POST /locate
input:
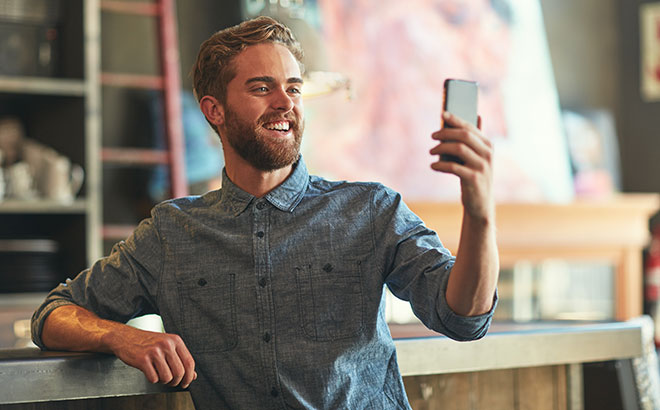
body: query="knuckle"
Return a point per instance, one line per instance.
(143, 362)
(166, 343)
(188, 362)
(461, 149)
(154, 352)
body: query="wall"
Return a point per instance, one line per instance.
(594, 46)
(583, 40)
(640, 126)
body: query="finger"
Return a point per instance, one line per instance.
(479, 122)
(188, 364)
(449, 134)
(451, 120)
(149, 372)
(164, 373)
(474, 138)
(176, 368)
(460, 150)
(451, 167)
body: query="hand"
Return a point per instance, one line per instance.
(162, 357)
(468, 143)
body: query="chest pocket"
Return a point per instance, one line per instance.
(208, 310)
(330, 299)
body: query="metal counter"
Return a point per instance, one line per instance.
(29, 375)
(507, 346)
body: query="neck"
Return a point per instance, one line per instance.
(252, 180)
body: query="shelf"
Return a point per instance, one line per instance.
(14, 206)
(22, 300)
(42, 85)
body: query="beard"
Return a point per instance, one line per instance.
(262, 152)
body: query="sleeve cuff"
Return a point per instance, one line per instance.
(464, 328)
(39, 318)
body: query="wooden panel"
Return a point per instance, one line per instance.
(495, 389)
(621, 220)
(440, 392)
(536, 388)
(629, 286)
(562, 387)
(164, 401)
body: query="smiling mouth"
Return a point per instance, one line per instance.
(281, 126)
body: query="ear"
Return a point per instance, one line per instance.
(213, 110)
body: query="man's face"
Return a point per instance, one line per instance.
(263, 119)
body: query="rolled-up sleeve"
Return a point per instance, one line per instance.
(416, 268)
(118, 287)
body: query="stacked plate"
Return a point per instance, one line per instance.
(28, 265)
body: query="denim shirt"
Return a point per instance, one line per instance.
(279, 299)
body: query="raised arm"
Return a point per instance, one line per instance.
(162, 357)
(473, 279)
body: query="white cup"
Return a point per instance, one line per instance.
(62, 179)
(2, 184)
(55, 177)
(2, 178)
(20, 184)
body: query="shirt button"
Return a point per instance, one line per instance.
(261, 205)
(266, 337)
(260, 234)
(263, 282)
(202, 282)
(274, 392)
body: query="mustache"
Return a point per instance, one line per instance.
(294, 121)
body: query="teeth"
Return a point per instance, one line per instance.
(279, 126)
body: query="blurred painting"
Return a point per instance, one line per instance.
(650, 51)
(396, 55)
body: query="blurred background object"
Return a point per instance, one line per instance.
(594, 152)
(29, 43)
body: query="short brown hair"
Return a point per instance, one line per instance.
(213, 69)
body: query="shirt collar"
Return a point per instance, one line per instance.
(285, 197)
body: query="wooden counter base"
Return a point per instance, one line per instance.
(538, 388)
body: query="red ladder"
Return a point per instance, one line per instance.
(170, 83)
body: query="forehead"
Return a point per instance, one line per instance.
(266, 59)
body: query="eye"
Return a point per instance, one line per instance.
(295, 90)
(262, 89)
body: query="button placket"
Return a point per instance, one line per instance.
(262, 272)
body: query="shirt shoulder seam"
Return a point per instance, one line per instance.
(162, 258)
(372, 222)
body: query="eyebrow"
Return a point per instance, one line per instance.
(270, 80)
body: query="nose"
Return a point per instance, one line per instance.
(282, 101)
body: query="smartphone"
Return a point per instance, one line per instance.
(460, 99)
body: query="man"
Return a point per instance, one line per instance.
(271, 288)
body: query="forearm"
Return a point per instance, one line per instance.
(161, 357)
(74, 328)
(473, 278)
